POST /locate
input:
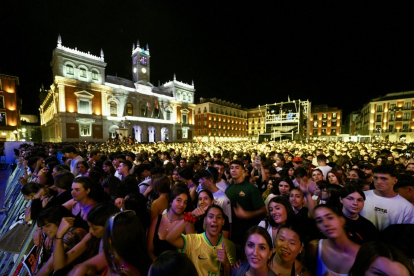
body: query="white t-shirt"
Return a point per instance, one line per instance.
(384, 211)
(118, 175)
(223, 201)
(325, 170)
(144, 184)
(74, 165)
(222, 185)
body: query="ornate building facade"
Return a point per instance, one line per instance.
(10, 106)
(84, 105)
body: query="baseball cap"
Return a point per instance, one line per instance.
(297, 159)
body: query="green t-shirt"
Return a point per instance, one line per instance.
(250, 199)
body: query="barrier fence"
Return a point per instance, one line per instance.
(14, 206)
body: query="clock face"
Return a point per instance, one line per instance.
(143, 60)
(143, 70)
(135, 60)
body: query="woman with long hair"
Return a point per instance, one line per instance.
(335, 254)
(280, 212)
(161, 185)
(334, 178)
(186, 176)
(257, 253)
(124, 246)
(177, 203)
(289, 244)
(378, 258)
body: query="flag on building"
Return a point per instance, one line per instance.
(162, 105)
(149, 105)
(156, 104)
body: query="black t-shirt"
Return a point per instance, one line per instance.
(361, 230)
(129, 185)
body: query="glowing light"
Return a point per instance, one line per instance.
(372, 111)
(3, 133)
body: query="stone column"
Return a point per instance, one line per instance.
(62, 101)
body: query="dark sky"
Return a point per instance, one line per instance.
(340, 54)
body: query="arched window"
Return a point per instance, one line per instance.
(95, 75)
(184, 119)
(129, 109)
(113, 108)
(143, 109)
(69, 69)
(82, 72)
(178, 95)
(184, 97)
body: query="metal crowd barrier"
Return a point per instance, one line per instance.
(14, 206)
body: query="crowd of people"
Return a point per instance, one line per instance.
(221, 208)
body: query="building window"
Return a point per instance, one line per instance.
(324, 131)
(199, 132)
(324, 116)
(315, 117)
(205, 116)
(379, 108)
(199, 124)
(113, 109)
(184, 119)
(405, 127)
(391, 128)
(407, 105)
(333, 123)
(334, 115)
(199, 110)
(392, 116)
(178, 95)
(83, 73)
(84, 107)
(205, 123)
(324, 123)
(143, 110)
(378, 128)
(205, 109)
(85, 129)
(378, 118)
(205, 132)
(406, 116)
(184, 97)
(392, 107)
(333, 131)
(185, 133)
(129, 109)
(315, 132)
(94, 76)
(69, 69)
(3, 119)
(1, 102)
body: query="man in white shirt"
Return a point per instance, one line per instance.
(222, 184)
(70, 153)
(145, 171)
(116, 163)
(322, 165)
(208, 182)
(383, 206)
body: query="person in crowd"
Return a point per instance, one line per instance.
(172, 263)
(377, 258)
(257, 255)
(248, 206)
(334, 178)
(335, 254)
(89, 246)
(82, 168)
(321, 159)
(317, 175)
(157, 243)
(186, 176)
(405, 187)
(205, 199)
(108, 168)
(161, 185)
(221, 183)
(85, 196)
(49, 221)
(73, 158)
(209, 251)
(289, 244)
(208, 178)
(280, 213)
(358, 228)
(270, 184)
(124, 246)
(383, 206)
(144, 170)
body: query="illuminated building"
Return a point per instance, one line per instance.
(219, 120)
(256, 123)
(84, 105)
(10, 106)
(389, 117)
(325, 123)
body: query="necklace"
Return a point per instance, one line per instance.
(172, 221)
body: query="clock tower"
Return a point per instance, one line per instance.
(140, 63)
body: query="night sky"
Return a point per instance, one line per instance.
(339, 54)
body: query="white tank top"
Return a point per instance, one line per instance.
(321, 268)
